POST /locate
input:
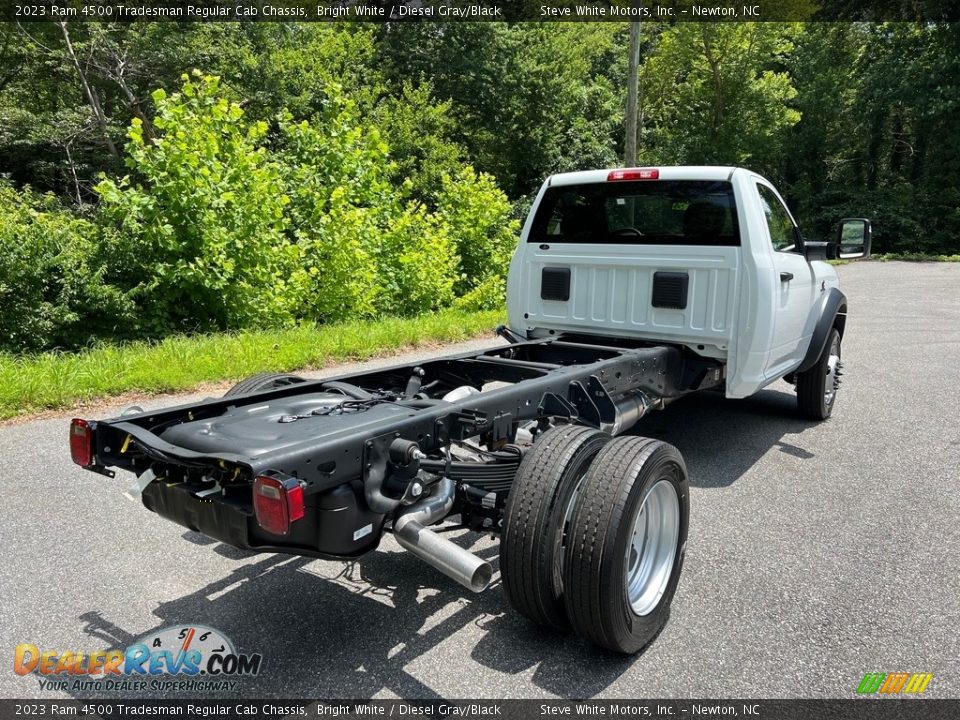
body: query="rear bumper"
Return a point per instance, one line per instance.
(335, 524)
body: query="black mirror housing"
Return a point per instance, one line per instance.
(817, 250)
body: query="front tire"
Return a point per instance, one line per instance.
(627, 540)
(817, 387)
(537, 513)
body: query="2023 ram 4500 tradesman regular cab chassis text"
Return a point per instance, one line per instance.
(629, 289)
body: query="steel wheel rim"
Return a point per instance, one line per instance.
(831, 382)
(572, 503)
(565, 529)
(653, 548)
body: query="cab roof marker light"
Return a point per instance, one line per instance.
(633, 174)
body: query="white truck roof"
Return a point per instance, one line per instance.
(668, 172)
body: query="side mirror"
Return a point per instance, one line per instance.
(816, 250)
(853, 238)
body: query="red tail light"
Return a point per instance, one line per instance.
(81, 442)
(633, 174)
(277, 502)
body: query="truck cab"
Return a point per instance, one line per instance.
(708, 258)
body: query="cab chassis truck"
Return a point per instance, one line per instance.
(630, 289)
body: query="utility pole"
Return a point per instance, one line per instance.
(630, 141)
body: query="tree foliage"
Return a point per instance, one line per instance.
(879, 136)
(718, 94)
(53, 289)
(530, 98)
(318, 171)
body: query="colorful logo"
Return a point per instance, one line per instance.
(180, 651)
(894, 683)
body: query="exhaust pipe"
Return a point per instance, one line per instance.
(410, 529)
(629, 409)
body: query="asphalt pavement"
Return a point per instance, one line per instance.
(817, 552)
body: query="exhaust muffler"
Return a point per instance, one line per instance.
(410, 529)
(628, 409)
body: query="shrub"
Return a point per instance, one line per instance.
(418, 263)
(52, 288)
(365, 248)
(478, 216)
(205, 217)
(229, 228)
(223, 224)
(340, 202)
(491, 294)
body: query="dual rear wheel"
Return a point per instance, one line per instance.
(594, 535)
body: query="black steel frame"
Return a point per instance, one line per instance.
(576, 378)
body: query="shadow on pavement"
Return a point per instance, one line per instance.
(722, 439)
(355, 633)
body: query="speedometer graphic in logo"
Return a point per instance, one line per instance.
(205, 639)
(189, 650)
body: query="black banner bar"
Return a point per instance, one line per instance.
(480, 10)
(855, 709)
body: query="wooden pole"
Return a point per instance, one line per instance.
(630, 141)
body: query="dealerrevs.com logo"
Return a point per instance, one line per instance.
(191, 658)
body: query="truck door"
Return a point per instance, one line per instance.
(793, 280)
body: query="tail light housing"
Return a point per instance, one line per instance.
(81, 442)
(277, 503)
(633, 174)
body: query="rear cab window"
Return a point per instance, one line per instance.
(648, 212)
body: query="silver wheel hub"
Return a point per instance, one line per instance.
(831, 383)
(653, 548)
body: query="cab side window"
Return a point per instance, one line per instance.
(782, 231)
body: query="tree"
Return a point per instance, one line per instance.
(879, 131)
(718, 94)
(531, 99)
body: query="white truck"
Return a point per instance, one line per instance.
(630, 289)
(709, 258)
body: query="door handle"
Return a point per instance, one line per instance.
(786, 276)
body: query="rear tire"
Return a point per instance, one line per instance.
(263, 381)
(626, 545)
(817, 387)
(537, 511)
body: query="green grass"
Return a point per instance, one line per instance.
(61, 380)
(916, 257)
